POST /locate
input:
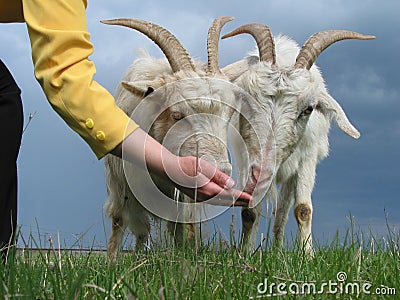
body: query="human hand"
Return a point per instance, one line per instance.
(207, 183)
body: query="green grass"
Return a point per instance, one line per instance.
(215, 271)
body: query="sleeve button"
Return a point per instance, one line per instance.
(100, 135)
(89, 123)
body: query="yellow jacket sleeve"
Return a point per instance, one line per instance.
(60, 50)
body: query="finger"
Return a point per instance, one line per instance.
(230, 202)
(235, 194)
(223, 202)
(216, 175)
(228, 196)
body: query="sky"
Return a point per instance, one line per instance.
(61, 183)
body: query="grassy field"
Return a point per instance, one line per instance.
(347, 269)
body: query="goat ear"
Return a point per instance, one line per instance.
(234, 70)
(329, 106)
(138, 88)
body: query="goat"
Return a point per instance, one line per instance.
(296, 112)
(179, 98)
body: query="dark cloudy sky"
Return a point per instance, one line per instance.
(62, 183)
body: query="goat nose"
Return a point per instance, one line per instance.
(260, 174)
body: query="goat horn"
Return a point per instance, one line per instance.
(262, 34)
(212, 44)
(176, 54)
(319, 41)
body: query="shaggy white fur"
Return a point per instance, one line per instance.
(295, 118)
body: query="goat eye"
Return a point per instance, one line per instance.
(177, 115)
(306, 112)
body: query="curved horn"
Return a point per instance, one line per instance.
(176, 54)
(262, 34)
(212, 44)
(319, 41)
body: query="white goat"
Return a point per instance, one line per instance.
(181, 99)
(296, 114)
